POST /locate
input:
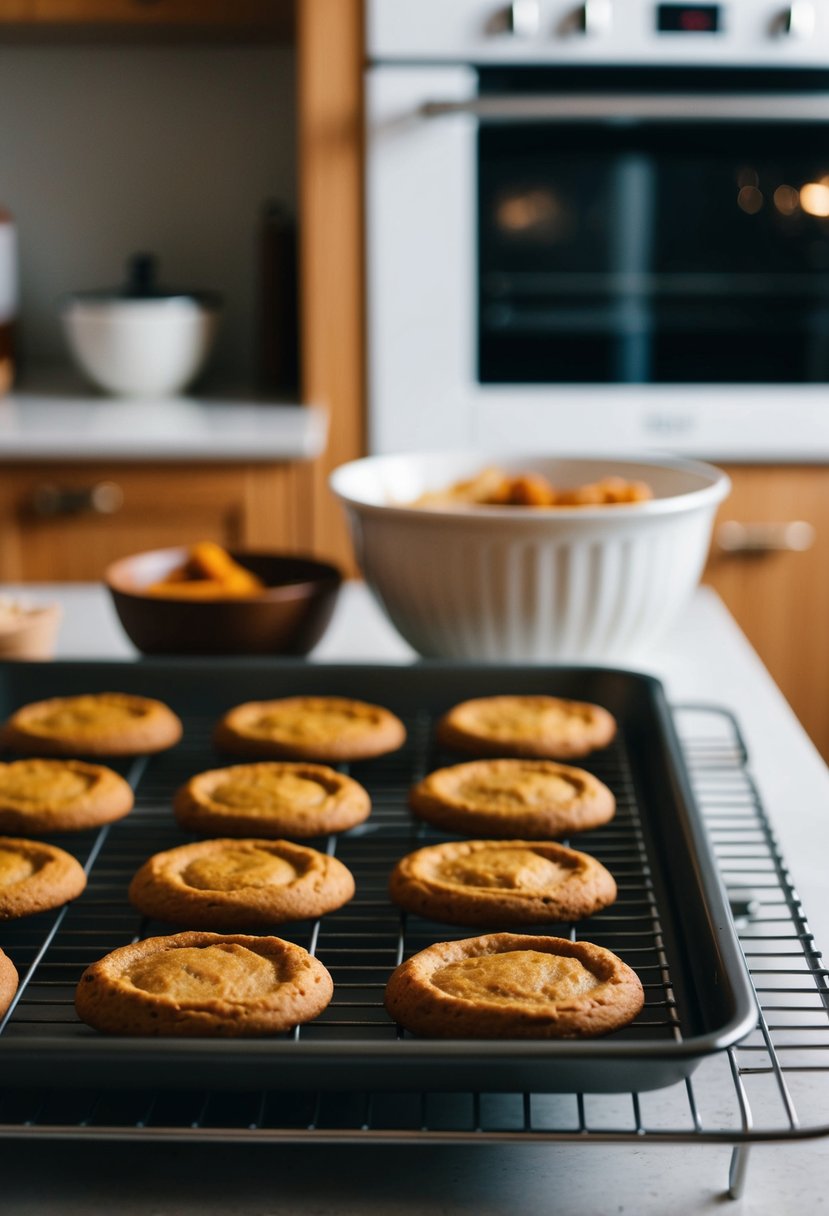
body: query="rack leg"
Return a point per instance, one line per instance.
(737, 1172)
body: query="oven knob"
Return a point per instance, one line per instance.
(523, 18)
(595, 17)
(798, 20)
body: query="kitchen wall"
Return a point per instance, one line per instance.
(107, 150)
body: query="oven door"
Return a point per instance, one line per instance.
(556, 255)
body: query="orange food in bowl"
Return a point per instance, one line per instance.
(286, 612)
(208, 573)
(494, 488)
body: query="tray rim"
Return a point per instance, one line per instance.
(298, 1054)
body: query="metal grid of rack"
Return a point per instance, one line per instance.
(361, 943)
(764, 1089)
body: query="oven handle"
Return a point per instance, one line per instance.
(611, 107)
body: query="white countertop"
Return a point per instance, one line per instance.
(76, 426)
(705, 659)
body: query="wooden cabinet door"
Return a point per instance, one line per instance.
(67, 523)
(770, 563)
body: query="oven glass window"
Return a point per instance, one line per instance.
(653, 252)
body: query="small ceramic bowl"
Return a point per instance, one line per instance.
(28, 632)
(288, 618)
(139, 348)
(141, 339)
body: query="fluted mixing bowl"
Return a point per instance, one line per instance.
(517, 583)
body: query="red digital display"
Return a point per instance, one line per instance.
(688, 18)
(696, 19)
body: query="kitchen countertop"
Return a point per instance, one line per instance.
(73, 425)
(705, 659)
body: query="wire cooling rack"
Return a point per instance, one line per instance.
(773, 1086)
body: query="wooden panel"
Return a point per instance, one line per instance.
(330, 51)
(276, 511)
(245, 506)
(781, 599)
(274, 18)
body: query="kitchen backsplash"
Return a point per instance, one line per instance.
(106, 150)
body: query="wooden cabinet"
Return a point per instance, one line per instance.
(770, 563)
(330, 56)
(67, 522)
(261, 18)
(329, 42)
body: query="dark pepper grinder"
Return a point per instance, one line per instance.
(277, 356)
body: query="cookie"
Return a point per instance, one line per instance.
(505, 985)
(35, 877)
(547, 727)
(507, 799)
(332, 729)
(43, 796)
(505, 882)
(8, 982)
(271, 799)
(95, 724)
(232, 884)
(198, 984)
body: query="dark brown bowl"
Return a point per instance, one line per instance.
(288, 618)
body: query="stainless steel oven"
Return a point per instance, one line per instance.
(599, 225)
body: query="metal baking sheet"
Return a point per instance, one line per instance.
(671, 922)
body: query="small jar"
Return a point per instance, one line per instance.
(8, 298)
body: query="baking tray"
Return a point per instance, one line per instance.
(671, 922)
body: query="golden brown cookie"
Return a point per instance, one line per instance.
(43, 796)
(271, 799)
(542, 726)
(95, 724)
(505, 985)
(507, 882)
(35, 876)
(232, 884)
(536, 799)
(8, 982)
(333, 729)
(198, 984)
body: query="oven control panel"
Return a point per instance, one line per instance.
(688, 18)
(747, 33)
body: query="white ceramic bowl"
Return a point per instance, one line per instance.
(133, 347)
(512, 583)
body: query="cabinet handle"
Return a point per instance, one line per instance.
(50, 501)
(795, 536)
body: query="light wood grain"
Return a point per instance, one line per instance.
(781, 600)
(329, 50)
(240, 506)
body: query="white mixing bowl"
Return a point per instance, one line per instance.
(517, 583)
(147, 348)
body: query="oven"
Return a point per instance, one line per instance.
(602, 225)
